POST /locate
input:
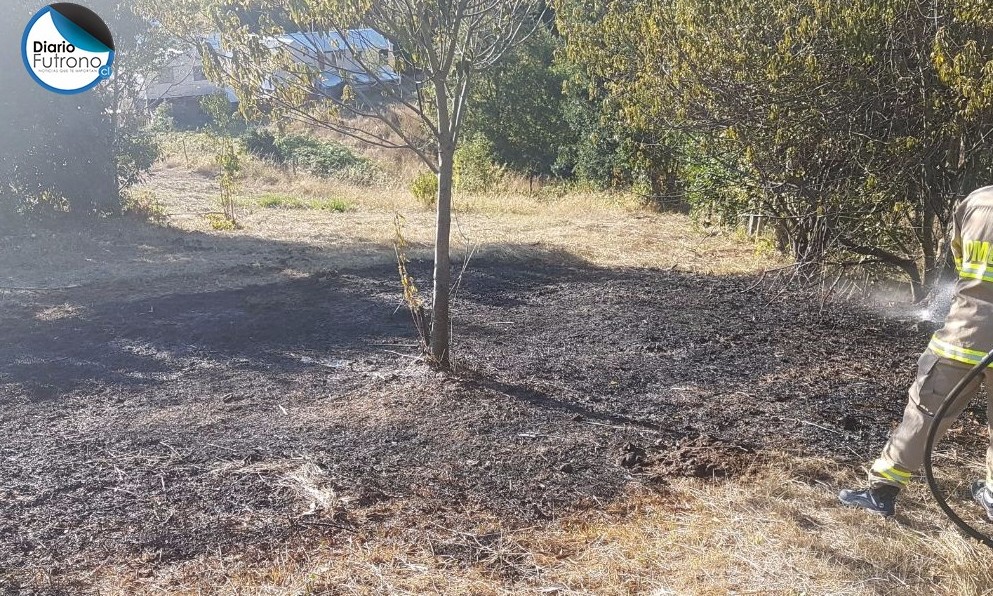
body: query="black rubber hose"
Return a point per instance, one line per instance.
(932, 434)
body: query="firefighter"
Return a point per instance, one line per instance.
(965, 338)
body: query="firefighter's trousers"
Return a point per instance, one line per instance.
(903, 454)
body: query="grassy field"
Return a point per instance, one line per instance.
(611, 229)
(771, 528)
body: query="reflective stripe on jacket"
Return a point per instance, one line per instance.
(967, 334)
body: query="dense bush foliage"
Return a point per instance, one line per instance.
(72, 153)
(163, 119)
(53, 145)
(322, 158)
(541, 113)
(475, 169)
(520, 107)
(325, 159)
(425, 189)
(261, 142)
(136, 153)
(854, 126)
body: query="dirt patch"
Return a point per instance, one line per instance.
(702, 457)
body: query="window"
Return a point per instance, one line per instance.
(198, 74)
(384, 56)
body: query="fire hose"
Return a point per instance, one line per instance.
(929, 446)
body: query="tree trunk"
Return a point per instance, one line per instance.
(440, 316)
(918, 291)
(931, 269)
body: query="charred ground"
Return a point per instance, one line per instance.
(147, 427)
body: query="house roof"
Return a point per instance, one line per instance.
(329, 41)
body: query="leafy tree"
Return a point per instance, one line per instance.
(520, 106)
(139, 51)
(595, 154)
(447, 45)
(474, 170)
(614, 146)
(854, 125)
(82, 148)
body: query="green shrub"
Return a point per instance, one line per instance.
(136, 153)
(475, 170)
(530, 85)
(261, 143)
(425, 189)
(332, 205)
(273, 201)
(162, 118)
(222, 117)
(325, 159)
(289, 145)
(221, 222)
(43, 205)
(712, 189)
(143, 204)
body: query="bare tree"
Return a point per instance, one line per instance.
(439, 48)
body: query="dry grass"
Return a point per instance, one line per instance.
(193, 152)
(609, 229)
(777, 530)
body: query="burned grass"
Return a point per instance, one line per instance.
(145, 433)
(190, 412)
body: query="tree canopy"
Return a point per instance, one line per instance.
(854, 126)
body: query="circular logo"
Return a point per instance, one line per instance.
(67, 48)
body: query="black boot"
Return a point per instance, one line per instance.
(982, 495)
(880, 499)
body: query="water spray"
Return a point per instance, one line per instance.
(929, 446)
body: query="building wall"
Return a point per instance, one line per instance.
(181, 77)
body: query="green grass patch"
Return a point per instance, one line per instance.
(277, 201)
(332, 205)
(273, 201)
